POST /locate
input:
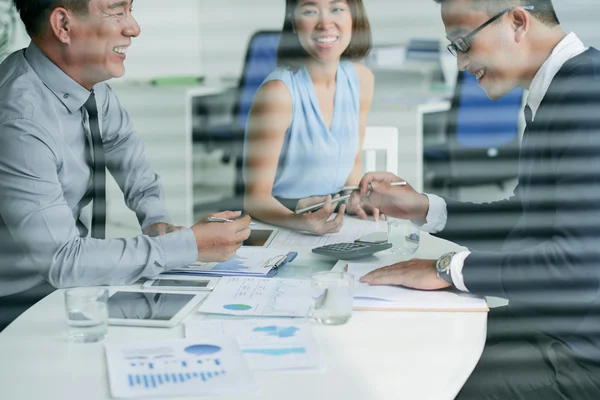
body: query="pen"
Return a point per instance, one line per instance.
(341, 198)
(219, 219)
(319, 205)
(356, 187)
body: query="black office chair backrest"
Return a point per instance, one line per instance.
(261, 58)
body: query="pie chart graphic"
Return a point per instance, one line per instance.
(202, 349)
(237, 307)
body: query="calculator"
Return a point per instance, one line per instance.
(347, 251)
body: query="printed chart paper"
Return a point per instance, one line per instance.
(267, 297)
(178, 368)
(247, 260)
(353, 229)
(267, 344)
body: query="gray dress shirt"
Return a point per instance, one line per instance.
(45, 182)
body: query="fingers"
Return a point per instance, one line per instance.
(375, 213)
(360, 212)
(242, 235)
(309, 201)
(336, 224)
(242, 223)
(227, 214)
(384, 276)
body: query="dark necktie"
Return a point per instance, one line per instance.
(99, 172)
(528, 115)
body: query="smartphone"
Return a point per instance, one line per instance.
(203, 283)
(374, 237)
(318, 206)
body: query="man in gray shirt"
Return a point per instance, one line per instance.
(46, 162)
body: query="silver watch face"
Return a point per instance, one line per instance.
(444, 261)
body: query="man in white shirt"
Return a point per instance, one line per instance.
(545, 239)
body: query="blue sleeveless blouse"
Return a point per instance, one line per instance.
(316, 159)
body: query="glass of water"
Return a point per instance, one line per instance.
(332, 295)
(87, 314)
(403, 235)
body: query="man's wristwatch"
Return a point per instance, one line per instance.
(443, 267)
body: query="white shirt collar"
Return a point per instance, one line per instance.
(566, 49)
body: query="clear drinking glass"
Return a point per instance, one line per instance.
(332, 294)
(87, 314)
(403, 235)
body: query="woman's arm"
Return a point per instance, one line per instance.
(269, 119)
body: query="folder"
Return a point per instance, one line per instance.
(248, 261)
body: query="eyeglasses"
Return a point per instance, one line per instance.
(463, 43)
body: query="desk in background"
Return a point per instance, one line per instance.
(375, 356)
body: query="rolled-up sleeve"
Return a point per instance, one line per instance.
(42, 224)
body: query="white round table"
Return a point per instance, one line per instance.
(375, 356)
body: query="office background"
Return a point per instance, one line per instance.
(208, 40)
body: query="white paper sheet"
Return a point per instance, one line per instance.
(267, 344)
(267, 297)
(353, 229)
(178, 368)
(247, 260)
(396, 297)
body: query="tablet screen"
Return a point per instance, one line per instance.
(258, 237)
(146, 305)
(175, 282)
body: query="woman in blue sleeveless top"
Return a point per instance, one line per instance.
(308, 119)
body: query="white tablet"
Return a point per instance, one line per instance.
(151, 308)
(260, 237)
(181, 282)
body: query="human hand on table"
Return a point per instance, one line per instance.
(414, 274)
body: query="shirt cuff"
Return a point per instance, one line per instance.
(151, 212)
(437, 215)
(179, 248)
(456, 267)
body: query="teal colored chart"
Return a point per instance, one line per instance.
(237, 307)
(276, 352)
(278, 331)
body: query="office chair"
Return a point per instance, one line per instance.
(260, 61)
(482, 139)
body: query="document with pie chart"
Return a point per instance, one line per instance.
(259, 297)
(178, 368)
(268, 344)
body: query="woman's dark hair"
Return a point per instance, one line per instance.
(292, 55)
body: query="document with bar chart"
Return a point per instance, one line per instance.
(271, 344)
(178, 368)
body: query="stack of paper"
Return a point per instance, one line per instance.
(178, 368)
(390, 298)
(267, 344)
(248, 261)
(256, 297)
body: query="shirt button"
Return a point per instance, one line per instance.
(66, 96)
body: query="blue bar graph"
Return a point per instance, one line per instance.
(152, 381)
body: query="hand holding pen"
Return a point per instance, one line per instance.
(391, 195)
(340, 198)
(220, 241)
